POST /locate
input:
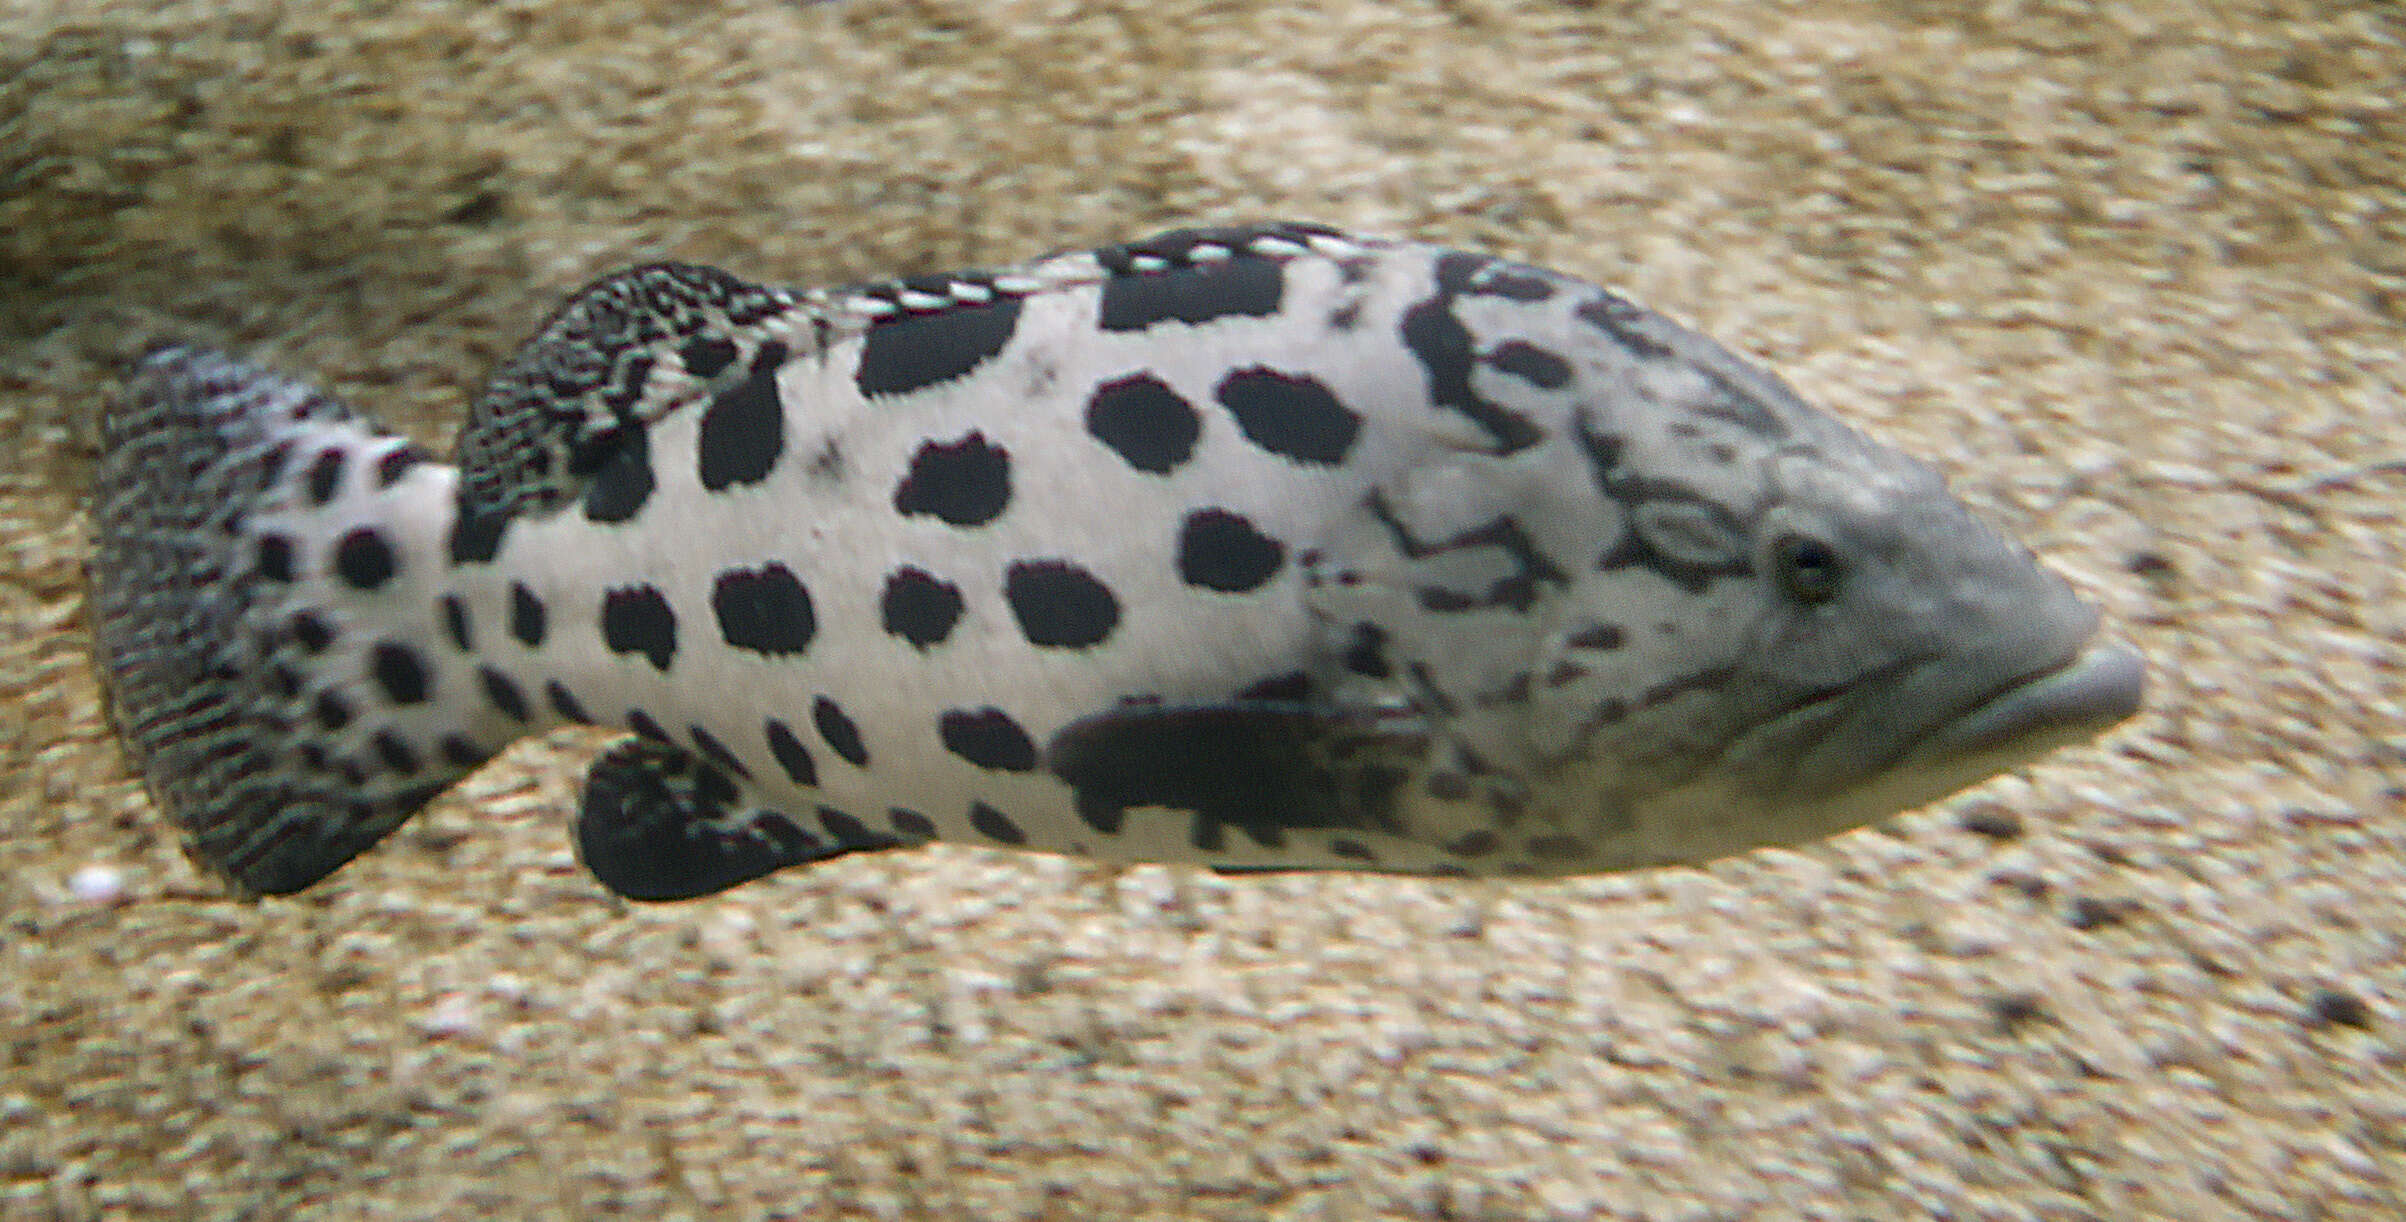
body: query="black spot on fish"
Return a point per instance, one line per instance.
(716, 752)
(995, 825)
(1220, 550)
(331, 711)
(1514, 283)
(842, 736)
(1365, 653)
(311, 630)
(1059, 605)
(363, 559)
(275, 558)
(907, 352)
(965, 482)
(644, 724)
(503, 693)
(1242, 286)
(459, 752)
(624, 482)
(911, 825)
(394, 752)
(1532, 364)
(1628, 324)
(764, 610)
(791, 755)
(564, 702)
(396, 462)
(399, 671)
(526, 616)
(743, 430)
(637, 619)
(987, 738)
(476, 536)
(1290, 415)
(1145, 422)
(919, 607)
(326, 475)
(706, 356)
(455, 623)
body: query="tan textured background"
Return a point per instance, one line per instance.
(2134, 274)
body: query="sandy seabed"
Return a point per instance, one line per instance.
(2133, 274)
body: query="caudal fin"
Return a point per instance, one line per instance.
(264, 586)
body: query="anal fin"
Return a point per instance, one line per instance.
(659, 824)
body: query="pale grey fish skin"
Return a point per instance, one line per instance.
(1261, 548)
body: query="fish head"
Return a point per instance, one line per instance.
(1879, 648)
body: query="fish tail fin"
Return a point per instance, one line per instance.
(273, 617)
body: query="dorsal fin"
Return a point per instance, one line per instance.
(622, 352)
(635, 346)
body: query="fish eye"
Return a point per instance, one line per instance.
(1809, 570)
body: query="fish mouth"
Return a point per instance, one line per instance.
(1924, 728)
(2100, 686)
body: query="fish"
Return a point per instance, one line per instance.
(1258, 548)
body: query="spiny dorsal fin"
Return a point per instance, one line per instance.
(625, 351)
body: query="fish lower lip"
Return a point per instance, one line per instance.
(2099, 686)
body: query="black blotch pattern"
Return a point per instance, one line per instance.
(564, 702)
(503, 692)
(1219, 550)
(988, 738)
(396, 463)
(911, 825)
(637, 619)
(965, 482)
(395, 752)
(791, 755)
(1514, 283)
(1146, 423)
(326, 475)
(459, 752)
(1238, 287)
(526, 616)
(1599, 636)
(1352, 850)
(919, 606)
(476, 537)
(1365, 652)
(743, 429)
(311, 630)
(399, 671)
(1059, 605)
(1476, 843)
(1443, 346)
(716, 752)
(363, 559)
(455, 623)
(275, 557)
(1290, 415)
(1626, 323)
(1531, 364)
(842, 736)
(624, 482)
(706, 356)
(643, 723)
(850, 832)
(995, 825)
(331, 711)
(907, 352)
(764, 610)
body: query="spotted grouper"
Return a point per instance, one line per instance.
(1256, 548)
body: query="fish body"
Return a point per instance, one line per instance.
(1262, 548)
